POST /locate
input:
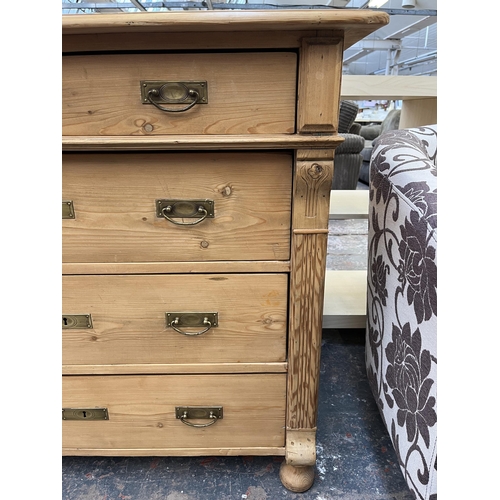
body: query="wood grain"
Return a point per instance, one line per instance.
(301, 447)
(396, 87)
(312, 183)
(225, 266)
(129, 326)
(418, 112)
(320, 71)
(126, 266)
(114, 199)
(353, 24)
(142, 411)
(102, 93)
(175, 452)
(306, 314)
(163, 369)
(311, 197)
(296, 478)
(314, 143)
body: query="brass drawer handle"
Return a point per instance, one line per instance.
(185, 416)
(200, 210)
(183, 413)
(155, 93)
(175, 322)
(206, 321)
(190, 320)
(185, 209)
(174, 92)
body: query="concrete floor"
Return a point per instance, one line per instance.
(355, 458)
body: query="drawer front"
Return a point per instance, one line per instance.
(142, 411)
(247, 93)
(130, 326)
(115, 200)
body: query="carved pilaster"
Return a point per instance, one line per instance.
(312, 184)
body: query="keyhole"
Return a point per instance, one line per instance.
(65, 321)
(84, 414)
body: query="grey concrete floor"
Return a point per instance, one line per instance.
(355, 458)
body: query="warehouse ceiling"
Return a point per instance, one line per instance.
(406, 46)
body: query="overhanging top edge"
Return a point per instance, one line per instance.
(364, 20)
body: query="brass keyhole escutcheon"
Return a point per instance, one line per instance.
(85, 414)
(76, 321)
(68, 322)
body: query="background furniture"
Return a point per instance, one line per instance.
(370, 133)
(345, 289)
(418, 93)
(390, 122)
(401, 341)
(348, 159)
(195, 225)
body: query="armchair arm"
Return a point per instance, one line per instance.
(401, 341)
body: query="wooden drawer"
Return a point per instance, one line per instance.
(142, 417)
(248, 93)
(129, 324)
(114, 198)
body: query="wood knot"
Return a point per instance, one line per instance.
(315, 170)
(226, 191)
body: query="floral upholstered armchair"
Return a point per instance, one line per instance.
(401, 339)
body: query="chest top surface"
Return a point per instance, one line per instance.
(352, 25)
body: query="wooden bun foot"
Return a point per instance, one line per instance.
(296, 478)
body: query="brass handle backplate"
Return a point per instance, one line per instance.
(68, 211)
(212, 413)
(174, 92)
(180, 321)
(185, 209)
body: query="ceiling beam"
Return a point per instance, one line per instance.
(139, 5)
(409, 29)
(413, 61)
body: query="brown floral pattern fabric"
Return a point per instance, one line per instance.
(401, 337)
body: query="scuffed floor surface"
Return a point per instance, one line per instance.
(355, 458)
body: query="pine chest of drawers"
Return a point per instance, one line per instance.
(198, 154)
